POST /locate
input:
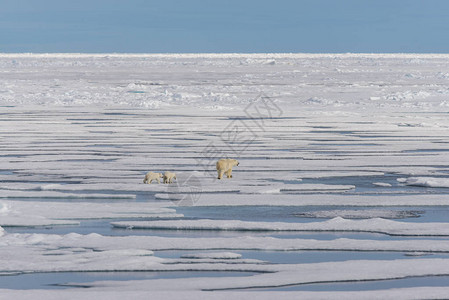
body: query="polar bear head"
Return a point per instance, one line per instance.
(233, 162)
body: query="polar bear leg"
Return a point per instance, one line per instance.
(220, 174)
(229, 173)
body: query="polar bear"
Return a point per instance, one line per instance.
(225, 166)
(150, 176)
(169, 176)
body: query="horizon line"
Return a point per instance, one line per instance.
(217, 54)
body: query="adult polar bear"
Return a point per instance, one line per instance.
(225, 166)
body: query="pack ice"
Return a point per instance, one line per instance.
(359, 140)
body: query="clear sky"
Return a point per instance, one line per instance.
(159, 26)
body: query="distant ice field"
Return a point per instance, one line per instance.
(343, 165)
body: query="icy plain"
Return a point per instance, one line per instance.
(342, 191)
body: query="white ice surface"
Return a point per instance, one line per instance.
(35, 213)
(99, 293)
(93, 252)
(382, 184)
(377, 225)
(73, 242)
(213, 255)
(88, 127)
(428, 182)
(360, 214)
(52, 194)
(301, 274)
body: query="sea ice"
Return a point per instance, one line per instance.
(213, 255)
(84, 129)
(135, 291)
(361, 214)
(294, 274)
(323, 199)
(382, 184)
(377, 225)
(35, 213)
(428, 182)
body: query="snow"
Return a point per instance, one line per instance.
(378, 225)
(84, 82)
(382, 184)
(35, 213)
(4, 208)
(38, 247)
(428, 182)
(72, 252)
(361, 214)
(350, 136)
(100, 294)
(213, 255)
(51, 194)
(306, 273)
(93, 252)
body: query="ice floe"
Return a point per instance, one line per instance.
(311, 273)
(377, 225)
(213, 255)
(82, 132)
(74, 252)
(39, 244)
(58, 195)
(35, 213)
(399, 199)
(428, 182)
(296, 274)
(361, 214)
(135, 291)
(382, 184)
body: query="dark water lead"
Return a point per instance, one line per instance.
(310, 256)
(367, 285)
(61, 280)
(308, 214)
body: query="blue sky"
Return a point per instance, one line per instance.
(139, 26)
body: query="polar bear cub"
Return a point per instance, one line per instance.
(224, 166)
(169, 176)
(150, 176)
